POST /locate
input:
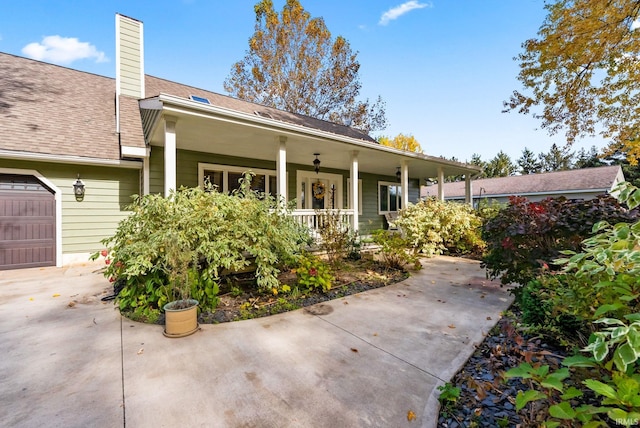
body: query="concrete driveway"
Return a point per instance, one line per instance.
(367, 360)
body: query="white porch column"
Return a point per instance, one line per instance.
(440, 184)
(468, 191)
(404, 171)
(145, 172)
(354, 190)
(170, 151)
(281, 170)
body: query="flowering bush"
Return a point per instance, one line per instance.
(313, 273)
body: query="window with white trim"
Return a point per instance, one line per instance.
(389, 197)
(226, 178)
(359, 195)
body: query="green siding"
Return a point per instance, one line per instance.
(187, 175)
(108, 193)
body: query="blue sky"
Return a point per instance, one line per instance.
(444, 67)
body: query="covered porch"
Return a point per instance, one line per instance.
(321, 165)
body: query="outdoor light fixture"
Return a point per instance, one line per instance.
(78, 189)
(316, 163)
(398, 174)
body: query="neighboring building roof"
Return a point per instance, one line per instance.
(600, 179)
(37, 101)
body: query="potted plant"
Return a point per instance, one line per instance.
(181, 315)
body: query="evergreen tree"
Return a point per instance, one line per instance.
(528, 163)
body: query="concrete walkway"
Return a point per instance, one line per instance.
(367, 360)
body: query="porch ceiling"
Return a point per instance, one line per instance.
(209, 129)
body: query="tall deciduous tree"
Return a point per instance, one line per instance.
(294, 64)
(401, 141)
(583, 71)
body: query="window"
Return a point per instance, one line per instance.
(389, 197)
(202, 100)
(227, 178)
(359, 195)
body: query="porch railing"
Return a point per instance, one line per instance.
(316, 219)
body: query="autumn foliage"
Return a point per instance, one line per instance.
(581, 73)
(294, 64)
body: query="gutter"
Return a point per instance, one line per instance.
(159, 102)
(41, 157)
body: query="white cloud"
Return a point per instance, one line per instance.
(398, 11)
(635, 24)
(62, 50)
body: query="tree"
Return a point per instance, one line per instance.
(528, 163)
(401, 141)
(631, 172)
(293, 64)
(500, 166)
(588, 159)
(556, 160)
(583, 72)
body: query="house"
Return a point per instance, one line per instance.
(584, 183)
(76, 146)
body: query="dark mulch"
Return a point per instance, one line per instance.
(486, 400)
(241, 299)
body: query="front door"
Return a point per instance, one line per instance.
(319, 191)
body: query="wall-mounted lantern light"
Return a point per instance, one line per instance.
(78, 189)
(398, 174)
(316, 163)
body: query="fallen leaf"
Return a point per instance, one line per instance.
(345, 302)
(375, 334)
(56, 295)
(411, 416)
(433, 282)
(71, 304)
(482, 297)
(488, 318)
(451, 326)
(31, 299)
(140, 351)
(477, 411)
(354, 350)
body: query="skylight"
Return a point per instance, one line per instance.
(200, 99)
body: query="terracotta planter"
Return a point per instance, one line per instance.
(181, 322)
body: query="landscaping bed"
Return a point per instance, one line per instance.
(241, 299)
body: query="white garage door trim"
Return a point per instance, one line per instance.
(58, 197)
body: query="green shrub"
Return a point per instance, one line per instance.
(336, 238)
(434, 226)
(602, 279)
(313, 273)
(395, 250)
(216, 232)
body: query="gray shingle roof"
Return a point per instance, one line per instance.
(53, 110)
(155, 86)
(587, 179)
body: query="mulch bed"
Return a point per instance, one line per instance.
(245, 301)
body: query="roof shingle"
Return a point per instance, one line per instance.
(586, 179)
(48, 109)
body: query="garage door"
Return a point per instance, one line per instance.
(27, 223)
